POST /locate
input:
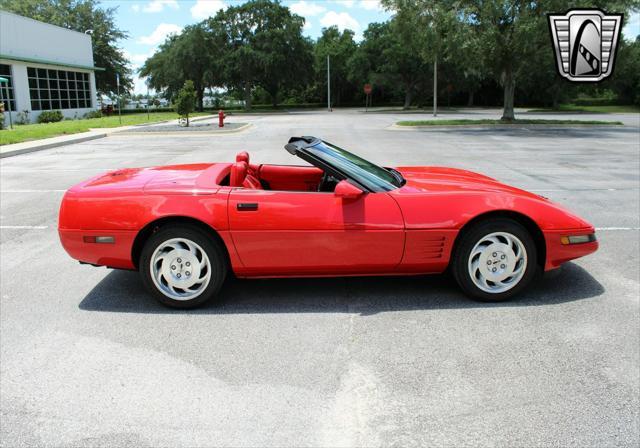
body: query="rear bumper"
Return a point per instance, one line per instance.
(114, 255)
(558, 253)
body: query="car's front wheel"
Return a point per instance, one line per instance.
(495, 260)
(182, 266)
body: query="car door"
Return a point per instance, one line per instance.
(315, 233)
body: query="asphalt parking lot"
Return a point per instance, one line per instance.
(88, 359)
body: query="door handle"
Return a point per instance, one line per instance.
(246, 206)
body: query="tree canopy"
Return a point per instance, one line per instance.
(487, 52)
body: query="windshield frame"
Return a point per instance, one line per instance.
(361, 172)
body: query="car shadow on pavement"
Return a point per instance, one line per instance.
(122, 291)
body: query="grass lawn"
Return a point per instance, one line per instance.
(462, 122)
(26, 132)
(611, 109)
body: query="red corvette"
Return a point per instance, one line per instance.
(184, 227)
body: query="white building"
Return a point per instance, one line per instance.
(48, 68)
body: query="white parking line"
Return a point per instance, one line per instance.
(46, 170)
(32, 191)
(25, 227)
(616, 228)
(581, 189)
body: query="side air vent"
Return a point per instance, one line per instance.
(432, 247)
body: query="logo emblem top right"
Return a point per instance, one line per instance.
(585, 42)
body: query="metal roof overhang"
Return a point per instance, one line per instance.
(45, 62)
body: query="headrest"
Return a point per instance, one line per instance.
(242, 156)
(238, 173)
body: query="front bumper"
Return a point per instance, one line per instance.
(558, 252)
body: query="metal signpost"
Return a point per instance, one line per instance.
(368, 88)
(6, 81)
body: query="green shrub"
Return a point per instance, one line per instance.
(93, 114)
(50, 116)
(186, 101)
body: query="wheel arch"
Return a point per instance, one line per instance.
(522, 219)
(145, 233)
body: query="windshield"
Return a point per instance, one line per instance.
(356, 167)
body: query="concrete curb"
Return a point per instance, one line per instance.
(44, 145)
(130, 132)
(395, 127)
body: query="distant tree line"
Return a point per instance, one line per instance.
(486, 52)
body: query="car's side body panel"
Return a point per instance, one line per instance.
(292, 233)
(410, 230)
(123, 202)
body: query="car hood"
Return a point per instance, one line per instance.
(171, 179)
(442, 179)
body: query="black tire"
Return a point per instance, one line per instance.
(213, 249)
(467, 241)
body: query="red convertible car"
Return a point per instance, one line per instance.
(186, 227)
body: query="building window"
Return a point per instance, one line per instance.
(58, 89)
(8, 96)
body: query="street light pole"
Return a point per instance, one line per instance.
(119, 98)
(328, 84)
(435, 86)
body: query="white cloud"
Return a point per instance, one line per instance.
(307, 25)
(160, 34)
(206, 8)
(340, 19)
(159, 5)
(140, 85)
(135, 7)
(303, 8)
(345, 3)
(371, 5)
(138, 59)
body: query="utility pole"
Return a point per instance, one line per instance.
(119, 98)
(328, 85)
(435, 86)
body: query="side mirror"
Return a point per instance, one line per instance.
(346, 190)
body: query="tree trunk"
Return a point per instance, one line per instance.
(200, 99)
(408, 95)
(509, 84)
(247, 96)
(470, 99)
(555, 98)
(274, 99)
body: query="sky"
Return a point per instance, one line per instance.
(149, 22)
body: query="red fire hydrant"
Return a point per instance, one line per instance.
(221, 117)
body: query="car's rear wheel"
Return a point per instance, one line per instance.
(495, 260)
(182, 266)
